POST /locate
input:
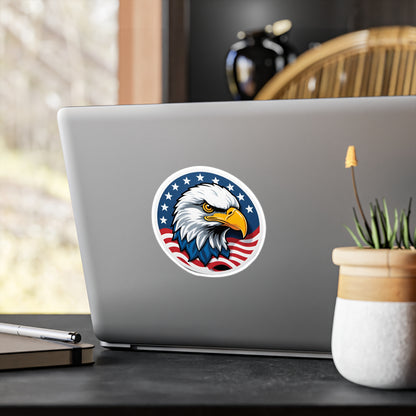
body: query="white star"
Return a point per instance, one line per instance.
(163, 220)
(199, 177)
(175, 187)
(164, 207)
(215, 180)
(230, 187)
(249, 209)
(168, 196)
(240, 197)
(186, 181)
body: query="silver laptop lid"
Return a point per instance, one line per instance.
(284, 157)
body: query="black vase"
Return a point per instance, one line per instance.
(256, 57)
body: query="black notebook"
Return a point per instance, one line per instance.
(26, 352)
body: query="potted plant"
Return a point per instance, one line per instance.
(374, 328)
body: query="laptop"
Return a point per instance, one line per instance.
(209, 227)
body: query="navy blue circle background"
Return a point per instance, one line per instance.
(252, 218)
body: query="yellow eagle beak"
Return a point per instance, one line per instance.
(233, 218)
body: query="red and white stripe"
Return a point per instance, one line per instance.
(240, 251)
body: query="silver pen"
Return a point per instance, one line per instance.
(30, 331)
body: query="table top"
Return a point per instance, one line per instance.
(185, 383)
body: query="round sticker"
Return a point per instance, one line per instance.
(208, 222)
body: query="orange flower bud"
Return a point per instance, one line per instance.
(350, 159)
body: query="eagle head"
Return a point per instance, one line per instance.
(201, 219)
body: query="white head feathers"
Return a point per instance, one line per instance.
(189, 215)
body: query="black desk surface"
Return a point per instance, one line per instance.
(150, 383)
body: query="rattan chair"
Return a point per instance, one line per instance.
(373, 62)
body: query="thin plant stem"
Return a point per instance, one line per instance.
(358, 201)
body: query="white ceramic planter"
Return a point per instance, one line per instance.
(374, 329)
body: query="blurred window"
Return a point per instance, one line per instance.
(52, 54)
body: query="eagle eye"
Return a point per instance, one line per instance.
(207, 207)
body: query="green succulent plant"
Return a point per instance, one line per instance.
(380, 232)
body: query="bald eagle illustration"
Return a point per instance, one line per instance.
(201, 219)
